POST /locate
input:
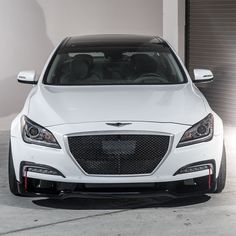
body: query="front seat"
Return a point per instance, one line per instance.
(80, 68)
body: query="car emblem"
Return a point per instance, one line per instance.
(118, 124)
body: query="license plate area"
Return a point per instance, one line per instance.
(119, 147)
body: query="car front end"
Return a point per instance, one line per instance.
(93, 158)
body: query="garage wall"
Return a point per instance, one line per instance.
(174, 25)
(31, 28)
(24, 44)
(211, 44)
(78, 17)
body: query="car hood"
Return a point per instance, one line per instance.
(55, 105)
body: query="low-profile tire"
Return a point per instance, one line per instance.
(11, 174)
(220, 181)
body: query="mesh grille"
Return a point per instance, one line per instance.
(118, 154)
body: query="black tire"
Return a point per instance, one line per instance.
(11, 174)
(220, 181)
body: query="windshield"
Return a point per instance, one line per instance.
(154, 64)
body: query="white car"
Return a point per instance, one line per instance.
(116, 116)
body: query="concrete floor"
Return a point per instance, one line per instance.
(206, 215)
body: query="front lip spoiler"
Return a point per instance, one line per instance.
(112, 195)
(125, 195)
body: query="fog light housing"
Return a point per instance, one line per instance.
(40, 169)
(195, 168)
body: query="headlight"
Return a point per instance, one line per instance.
(36, 134)
(200, 132)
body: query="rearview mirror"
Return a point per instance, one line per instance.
(27, 77)
(202, 76)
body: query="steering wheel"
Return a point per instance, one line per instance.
(96, 74)
(147, 76)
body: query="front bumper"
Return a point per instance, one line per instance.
(62, 161)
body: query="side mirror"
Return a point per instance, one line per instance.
(27, 77)
(202, 76)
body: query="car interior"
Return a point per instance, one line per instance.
(115, 67)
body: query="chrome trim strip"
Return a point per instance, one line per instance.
(114, 132)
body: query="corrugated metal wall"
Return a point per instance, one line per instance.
(211, 44)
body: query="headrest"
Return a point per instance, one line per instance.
(86, 57)
(80, 68)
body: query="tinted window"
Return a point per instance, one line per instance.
(153, 64)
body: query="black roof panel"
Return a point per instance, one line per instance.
(107, 40)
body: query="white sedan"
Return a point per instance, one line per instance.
(116, 116)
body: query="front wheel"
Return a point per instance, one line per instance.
(11, 174)
(220, 182)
